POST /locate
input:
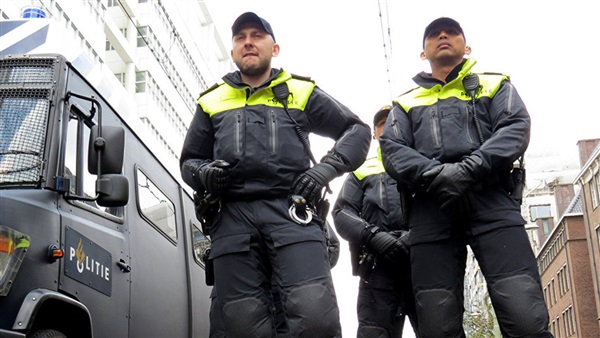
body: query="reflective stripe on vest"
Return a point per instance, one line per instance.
(226, 98)
(372, 166)
(420, 96)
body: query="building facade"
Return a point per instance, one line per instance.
(153, 58)
(589, 181)
(566, 258)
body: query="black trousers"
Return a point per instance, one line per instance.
(385, 299)
(508, 264)
(255, 244)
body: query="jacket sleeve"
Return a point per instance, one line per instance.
(328, 117)
(197, 148)
(400, 160)
(510, 130)
(346, 212)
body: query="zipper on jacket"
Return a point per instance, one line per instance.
(435, 127)
(237, 137)
(356, 218)
(470, 116)
(395, 126)
(273, 131)
(510, 100)
(381, 188)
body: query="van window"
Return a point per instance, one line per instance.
(200, 243)
(81, 182)
(155, 207)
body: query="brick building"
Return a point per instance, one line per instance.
(589, 181)
(566, 256)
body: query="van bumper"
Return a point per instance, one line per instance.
(11, 334)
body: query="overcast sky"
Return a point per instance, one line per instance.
(547, 48)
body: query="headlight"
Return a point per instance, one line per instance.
(13, 246)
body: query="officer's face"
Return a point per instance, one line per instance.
(253, 50)
(379, 129)
(445, 44)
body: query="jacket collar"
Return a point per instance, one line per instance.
(234, 79)
(425, 80)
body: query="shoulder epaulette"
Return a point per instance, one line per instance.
(213, 87)
(408, 91)
(300, 77)
(497, 74)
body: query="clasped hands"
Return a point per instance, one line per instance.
(389, 245)
(452, 183)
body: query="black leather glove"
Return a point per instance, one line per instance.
(310, 183)
(386, 245)
(214, 176)
(403, 238)
(451, 182)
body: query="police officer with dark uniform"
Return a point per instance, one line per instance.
(453, 141)
(368, 214)
(248, 145)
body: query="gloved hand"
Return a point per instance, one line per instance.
(310, 183)
(403, 238)
(386, 245)
(451, 182)
(215, 176)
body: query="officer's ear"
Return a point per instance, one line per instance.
(423, 55)
(275, 51)
(467, 50)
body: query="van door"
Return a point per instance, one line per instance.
(95, 241)
(160, 303)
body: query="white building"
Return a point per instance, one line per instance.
(154, 58)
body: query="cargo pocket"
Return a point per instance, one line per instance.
(229, 244)
(301, 253)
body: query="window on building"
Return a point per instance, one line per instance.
(553, 291)
(140, 82)
(540, 211)
(121, 78)
(108, 46)
(594, 192)
(598, 184)
(142, 35)
(112, 3)
(546, 226)
(598, 234)
(572, 321)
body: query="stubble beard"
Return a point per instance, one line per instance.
(254, 69)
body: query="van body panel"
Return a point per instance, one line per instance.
(135, 270)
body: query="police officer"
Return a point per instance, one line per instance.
(368, 214)
(453, 141)
(248, 145)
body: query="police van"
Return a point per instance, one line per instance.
(97, 237)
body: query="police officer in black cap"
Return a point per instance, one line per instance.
(248, 145)
(453, 141)
(368, 214)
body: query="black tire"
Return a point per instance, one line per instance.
(47, 333)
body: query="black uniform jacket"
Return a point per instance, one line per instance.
(433, 124)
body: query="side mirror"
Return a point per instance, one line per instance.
(111, 145)
(112, 190)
